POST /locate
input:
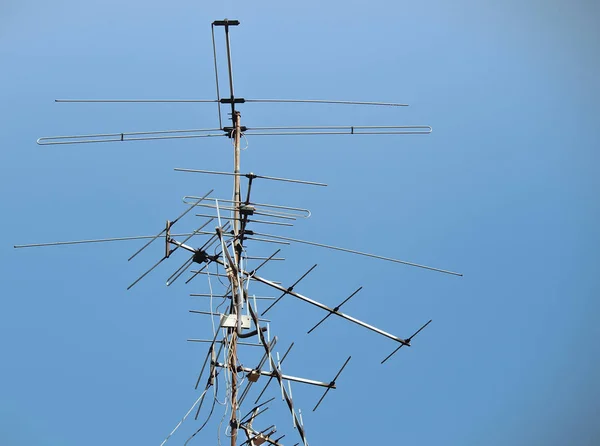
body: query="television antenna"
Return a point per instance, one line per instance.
(241, 324)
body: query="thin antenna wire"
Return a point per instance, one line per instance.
(212, 30)
(352, 251)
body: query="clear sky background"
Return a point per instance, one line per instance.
(505, 190)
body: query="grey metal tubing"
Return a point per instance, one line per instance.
(286, 377)
(180, 270)
(336, 309)
(208, 313)
(337, 248)
(407, 340)
(251, 174)
(342, 127)
(266, 222)
(338, 133)
(222, 297)
(134, 100)
(146, 273)
(290, 288)
(333, 382)
(172, 223)
(174, 249)
(310, 101)
(208, 354)
(223, 275)
(327, 101)
(266, 214)
(212, 30)
(264, 240)
(53, 140)
(266, 205)
(99, 240)
(265, 261)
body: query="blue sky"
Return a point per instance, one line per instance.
(504, 190)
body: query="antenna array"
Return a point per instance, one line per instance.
(240, 323)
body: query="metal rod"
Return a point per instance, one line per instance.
(193, 205)
(239, 343)
(212, 30)
(335, 309)
(209, 295)
(99, 240)
(327, 101)
(180, 270)
(407, 340)
(271, 378)
(208, 313)
(230, 70)
(311, 133)
(343, 127)
(208, 355)
(286, 377)
(251, 220)
(352, 251)
(290, 288)
(333, 382)
(256, 239)
(312, 101)
(125, 136)
(285, 216)
(266, 205)
(134, 100)
(265, 262)
(249, 175)
(146, 273)
(256, 407)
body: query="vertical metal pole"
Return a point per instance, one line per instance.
(237, 218)
(237, 282)
(237, 279)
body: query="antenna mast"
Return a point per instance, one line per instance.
(230, 254)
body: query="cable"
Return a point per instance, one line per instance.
(185, 416)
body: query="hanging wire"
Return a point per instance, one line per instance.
(184, 417)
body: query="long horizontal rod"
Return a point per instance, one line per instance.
(250, 175)
(308, 101)
(327, 101)
(251, 203)
(285, 216)
(250, 220)
(222, 297)
(352, 251)
(100, 240)
(134, 100)
(343, 127)
(286, 377)
(239, 343)
(127, 136)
